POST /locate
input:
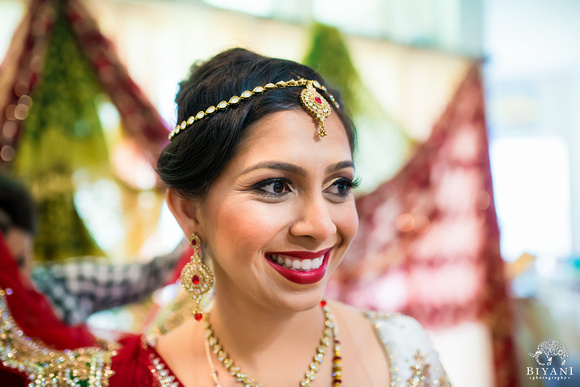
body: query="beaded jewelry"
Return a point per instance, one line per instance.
(196, 277)
(213, 371)
(329, 333)
(312, 101)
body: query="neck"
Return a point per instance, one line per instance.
(241, 316)
(252, 333)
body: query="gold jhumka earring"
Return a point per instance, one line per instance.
(196, 277)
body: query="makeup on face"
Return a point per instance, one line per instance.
(301, 267)
(281, 215)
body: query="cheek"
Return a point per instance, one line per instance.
(347, 222)
(248, 226)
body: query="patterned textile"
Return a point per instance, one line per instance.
(412, 359)
(428, 240)
(79, 289)
(30, 316)
(45, 365)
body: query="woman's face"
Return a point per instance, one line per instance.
(281, 215)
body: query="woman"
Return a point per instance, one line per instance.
(261, 182)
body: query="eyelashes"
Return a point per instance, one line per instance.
(278, 188)
(345, 185)
(275, 187)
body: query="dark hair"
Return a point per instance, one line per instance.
(17, 208)
(194, 158)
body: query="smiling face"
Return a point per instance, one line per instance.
(280, 216)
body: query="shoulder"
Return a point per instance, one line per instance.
(410, 354)
(409, 350)
(398, 328)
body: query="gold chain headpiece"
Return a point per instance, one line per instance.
(311, 100)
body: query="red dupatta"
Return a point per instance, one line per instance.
(29, 316)
(34, 315)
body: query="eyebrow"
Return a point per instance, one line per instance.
(295, 169)
(340, 165)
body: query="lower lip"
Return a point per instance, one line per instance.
(302, 277)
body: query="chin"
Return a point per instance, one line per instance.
(301, 300)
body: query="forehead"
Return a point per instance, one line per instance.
(291, 135)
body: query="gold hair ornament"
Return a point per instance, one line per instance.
(312, 101)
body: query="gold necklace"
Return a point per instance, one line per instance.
(213, 372)
(329, 335)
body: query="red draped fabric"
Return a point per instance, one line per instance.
(32, 310)
(428, 241)
(21, 73)
(33, 313)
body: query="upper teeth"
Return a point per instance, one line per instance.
(297, 264)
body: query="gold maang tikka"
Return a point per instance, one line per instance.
(196, 277)
(315, 105)
(312, 101)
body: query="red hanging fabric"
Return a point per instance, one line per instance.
(428, 240)
(21, 72)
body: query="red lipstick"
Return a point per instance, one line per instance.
(302, 277)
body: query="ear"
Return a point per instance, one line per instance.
(185, 211)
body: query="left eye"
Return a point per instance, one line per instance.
(276, 187)
(340, 187)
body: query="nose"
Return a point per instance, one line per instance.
(314, 219)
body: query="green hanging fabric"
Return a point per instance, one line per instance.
(329, 55)
(382, 143)
(61, 135)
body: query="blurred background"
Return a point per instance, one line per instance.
(469, 139)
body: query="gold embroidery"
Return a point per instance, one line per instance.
(157, 367)
(377, 320)
(426, 370)
(444, 381)
(420, 372)
(45, 366)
